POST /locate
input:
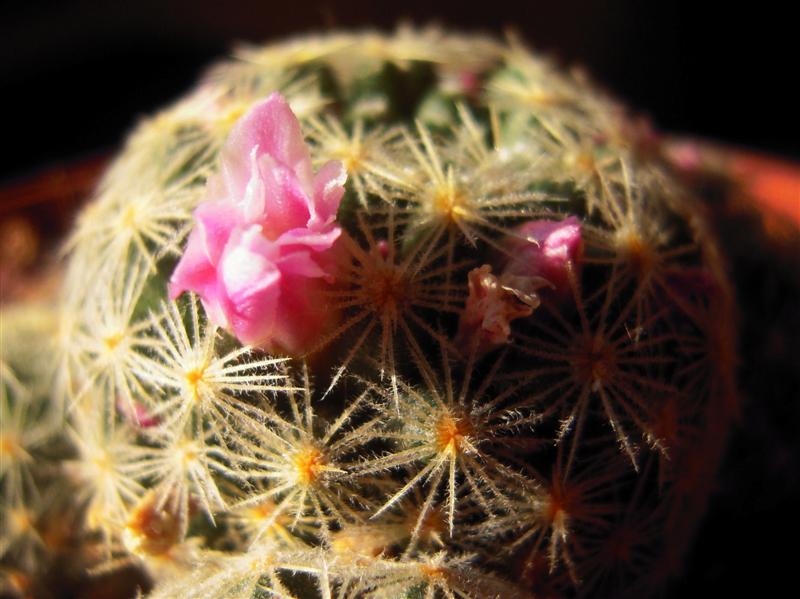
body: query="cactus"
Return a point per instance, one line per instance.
(367, 315)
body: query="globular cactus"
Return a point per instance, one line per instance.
(416, 315)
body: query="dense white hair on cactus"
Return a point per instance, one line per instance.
(217, 467)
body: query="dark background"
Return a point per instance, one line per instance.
(76, 75)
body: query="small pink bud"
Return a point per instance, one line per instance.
(137, 414)
(383, 248)
(470, 83)
(546, 249)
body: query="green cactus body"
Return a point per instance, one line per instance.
(414, 448)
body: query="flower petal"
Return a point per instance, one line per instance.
(271, 126)
(252, 284)
(328, 191)
(312, 239)
(304, 313)
(547, 249)
(194, 271)
(215, 222)
(286, 204)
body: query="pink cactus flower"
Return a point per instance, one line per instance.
(259, 256)
(548, 249)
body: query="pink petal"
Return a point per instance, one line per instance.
(217, 305)
(287, 204)
(311, 239)
(304, 313)
(252, 285)
(215, 222)
(328, 191)
(253, 201)
(562, 242)
(301, 263)
(194, 271)
(197, 269)
(546, 249)
(271, 126)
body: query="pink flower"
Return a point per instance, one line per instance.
(259, 256)
(548, 249)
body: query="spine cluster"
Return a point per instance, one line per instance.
(520, 387)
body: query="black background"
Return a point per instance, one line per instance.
(75, 76)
